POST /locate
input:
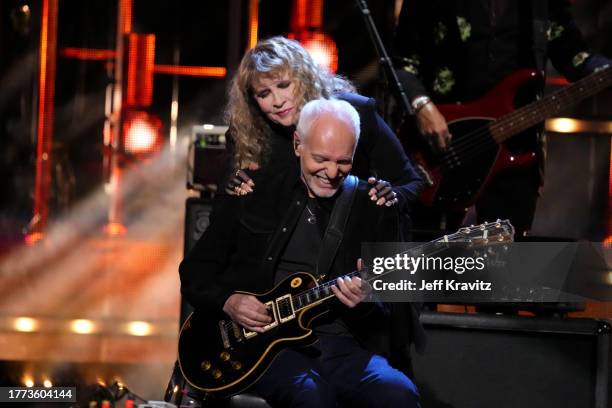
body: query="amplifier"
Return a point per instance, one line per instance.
(208, 159)
(483, 361)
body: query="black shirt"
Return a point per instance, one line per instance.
(302, 252)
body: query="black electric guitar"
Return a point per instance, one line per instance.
(480, 130)
(221, 358)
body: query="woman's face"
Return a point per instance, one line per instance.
(275, 96)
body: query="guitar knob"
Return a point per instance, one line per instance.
(205, 365)
(225, 356)
(216, 374)
(236, 365)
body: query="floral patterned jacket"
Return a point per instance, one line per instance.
(432, 44)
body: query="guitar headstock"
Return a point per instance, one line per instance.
(483, 234)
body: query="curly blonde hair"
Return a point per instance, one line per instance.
(273, 57)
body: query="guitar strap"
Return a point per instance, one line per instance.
(335, 228)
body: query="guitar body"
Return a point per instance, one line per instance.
(456, 178)
(220, 358)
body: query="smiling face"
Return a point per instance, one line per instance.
(326, 154)
(275, 96)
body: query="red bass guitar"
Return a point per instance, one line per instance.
(481, 131)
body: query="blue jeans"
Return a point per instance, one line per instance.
(342, 374)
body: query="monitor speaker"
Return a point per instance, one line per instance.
(478, 361)
(197, 218)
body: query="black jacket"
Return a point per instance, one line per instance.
(379, 152)
(245, 239)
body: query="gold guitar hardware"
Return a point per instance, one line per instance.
(236, 365)
(225, 356)
(205, 365)
(216, 374)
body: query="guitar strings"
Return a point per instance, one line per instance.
(418, 249)
(466, 143)
(548, 104)
(598, 80)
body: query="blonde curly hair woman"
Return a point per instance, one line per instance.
(275, 79)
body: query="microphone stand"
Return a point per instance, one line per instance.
(385, 61)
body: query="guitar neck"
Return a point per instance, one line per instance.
(550, 105)
(481, 233)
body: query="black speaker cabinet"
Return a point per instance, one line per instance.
(484, 361)
(197, 215)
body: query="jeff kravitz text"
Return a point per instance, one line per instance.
(409, 264)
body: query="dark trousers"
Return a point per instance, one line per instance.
(336, 371)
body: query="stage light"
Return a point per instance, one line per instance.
(33, 238)
(321, 47)
(82, 326)
(138, 328)
(323, 50)
(562, 125)
(28, 381)
(569, 125)
(47, 383)
(114, 229)
(253, 22)
(142, 133)
(140, 137)
(25, 324)
(307, 27)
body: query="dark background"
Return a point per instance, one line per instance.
(201, 33)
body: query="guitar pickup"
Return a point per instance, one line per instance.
(272, 313)
(284, 306)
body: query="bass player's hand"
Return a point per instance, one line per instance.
(247, 311)
(433, 127)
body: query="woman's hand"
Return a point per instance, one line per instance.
(381, 192)
(239, 184)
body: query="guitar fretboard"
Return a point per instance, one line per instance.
(550, 105)
(500, 231)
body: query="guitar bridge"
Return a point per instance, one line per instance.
(224, 334)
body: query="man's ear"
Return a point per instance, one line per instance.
(296, 143)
